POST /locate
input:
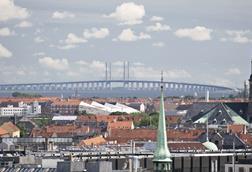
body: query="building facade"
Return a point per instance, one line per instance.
(21, 109)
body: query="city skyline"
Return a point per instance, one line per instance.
(192, 41)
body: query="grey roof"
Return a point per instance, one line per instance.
(134, 105)
(221, 114)
(227, 138)
(22, 169)
(198, 108)
(5, 104)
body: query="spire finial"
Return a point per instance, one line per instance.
(251, 67)
(162, 79)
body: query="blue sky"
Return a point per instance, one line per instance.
(195, 41)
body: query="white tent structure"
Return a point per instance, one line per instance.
(91, 109)
(127, 109)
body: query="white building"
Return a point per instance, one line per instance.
(21, 109)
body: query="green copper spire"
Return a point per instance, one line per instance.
(162, 157)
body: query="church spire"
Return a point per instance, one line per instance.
(162, 157)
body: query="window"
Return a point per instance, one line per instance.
(241, 169)
(250, 169)
(230, 169)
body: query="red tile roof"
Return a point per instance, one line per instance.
(120, 125)
(247, 138)
(186, 146)
(9, 127)
(108, 118)
(237, 128)
(173, 119)
(60, 130)
(71, 102)
(93, 141)
(3, 132)
(145, 134)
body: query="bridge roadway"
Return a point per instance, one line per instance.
(111, 85)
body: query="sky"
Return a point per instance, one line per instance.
(207, 42)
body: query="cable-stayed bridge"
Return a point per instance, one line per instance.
(100, 86)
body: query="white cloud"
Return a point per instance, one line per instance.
(198, 33)
(233, 71)
(223, 39)
(54, 63)
(128, 13)
(153, 73)
(4, 52)
(96, 33)
(91, 68)
(38, 39)
(21, 72)
(128, 35)
(118, 63)
(74, 39)
(24, 24)
(10, 11)
(67, 47)
(72, 74)
(158, 44)
(5, 31)
(238, 36)
(138, 64)
(62, 15)
(220, 82)
(95, 64)
(39, 54)
(81, 62)
(156, 18)
(157, 27)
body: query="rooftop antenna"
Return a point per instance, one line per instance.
(207, 136)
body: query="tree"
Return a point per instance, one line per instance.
(150, 120)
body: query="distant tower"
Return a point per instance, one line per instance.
(245, 93)
(250, 84)
(124, 70)
(110, 71)
(207, 96)
(106, 71)
(249, 116)
(128, 69)
(162, 157)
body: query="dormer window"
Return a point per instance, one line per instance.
(214, 121)
(223, 121)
